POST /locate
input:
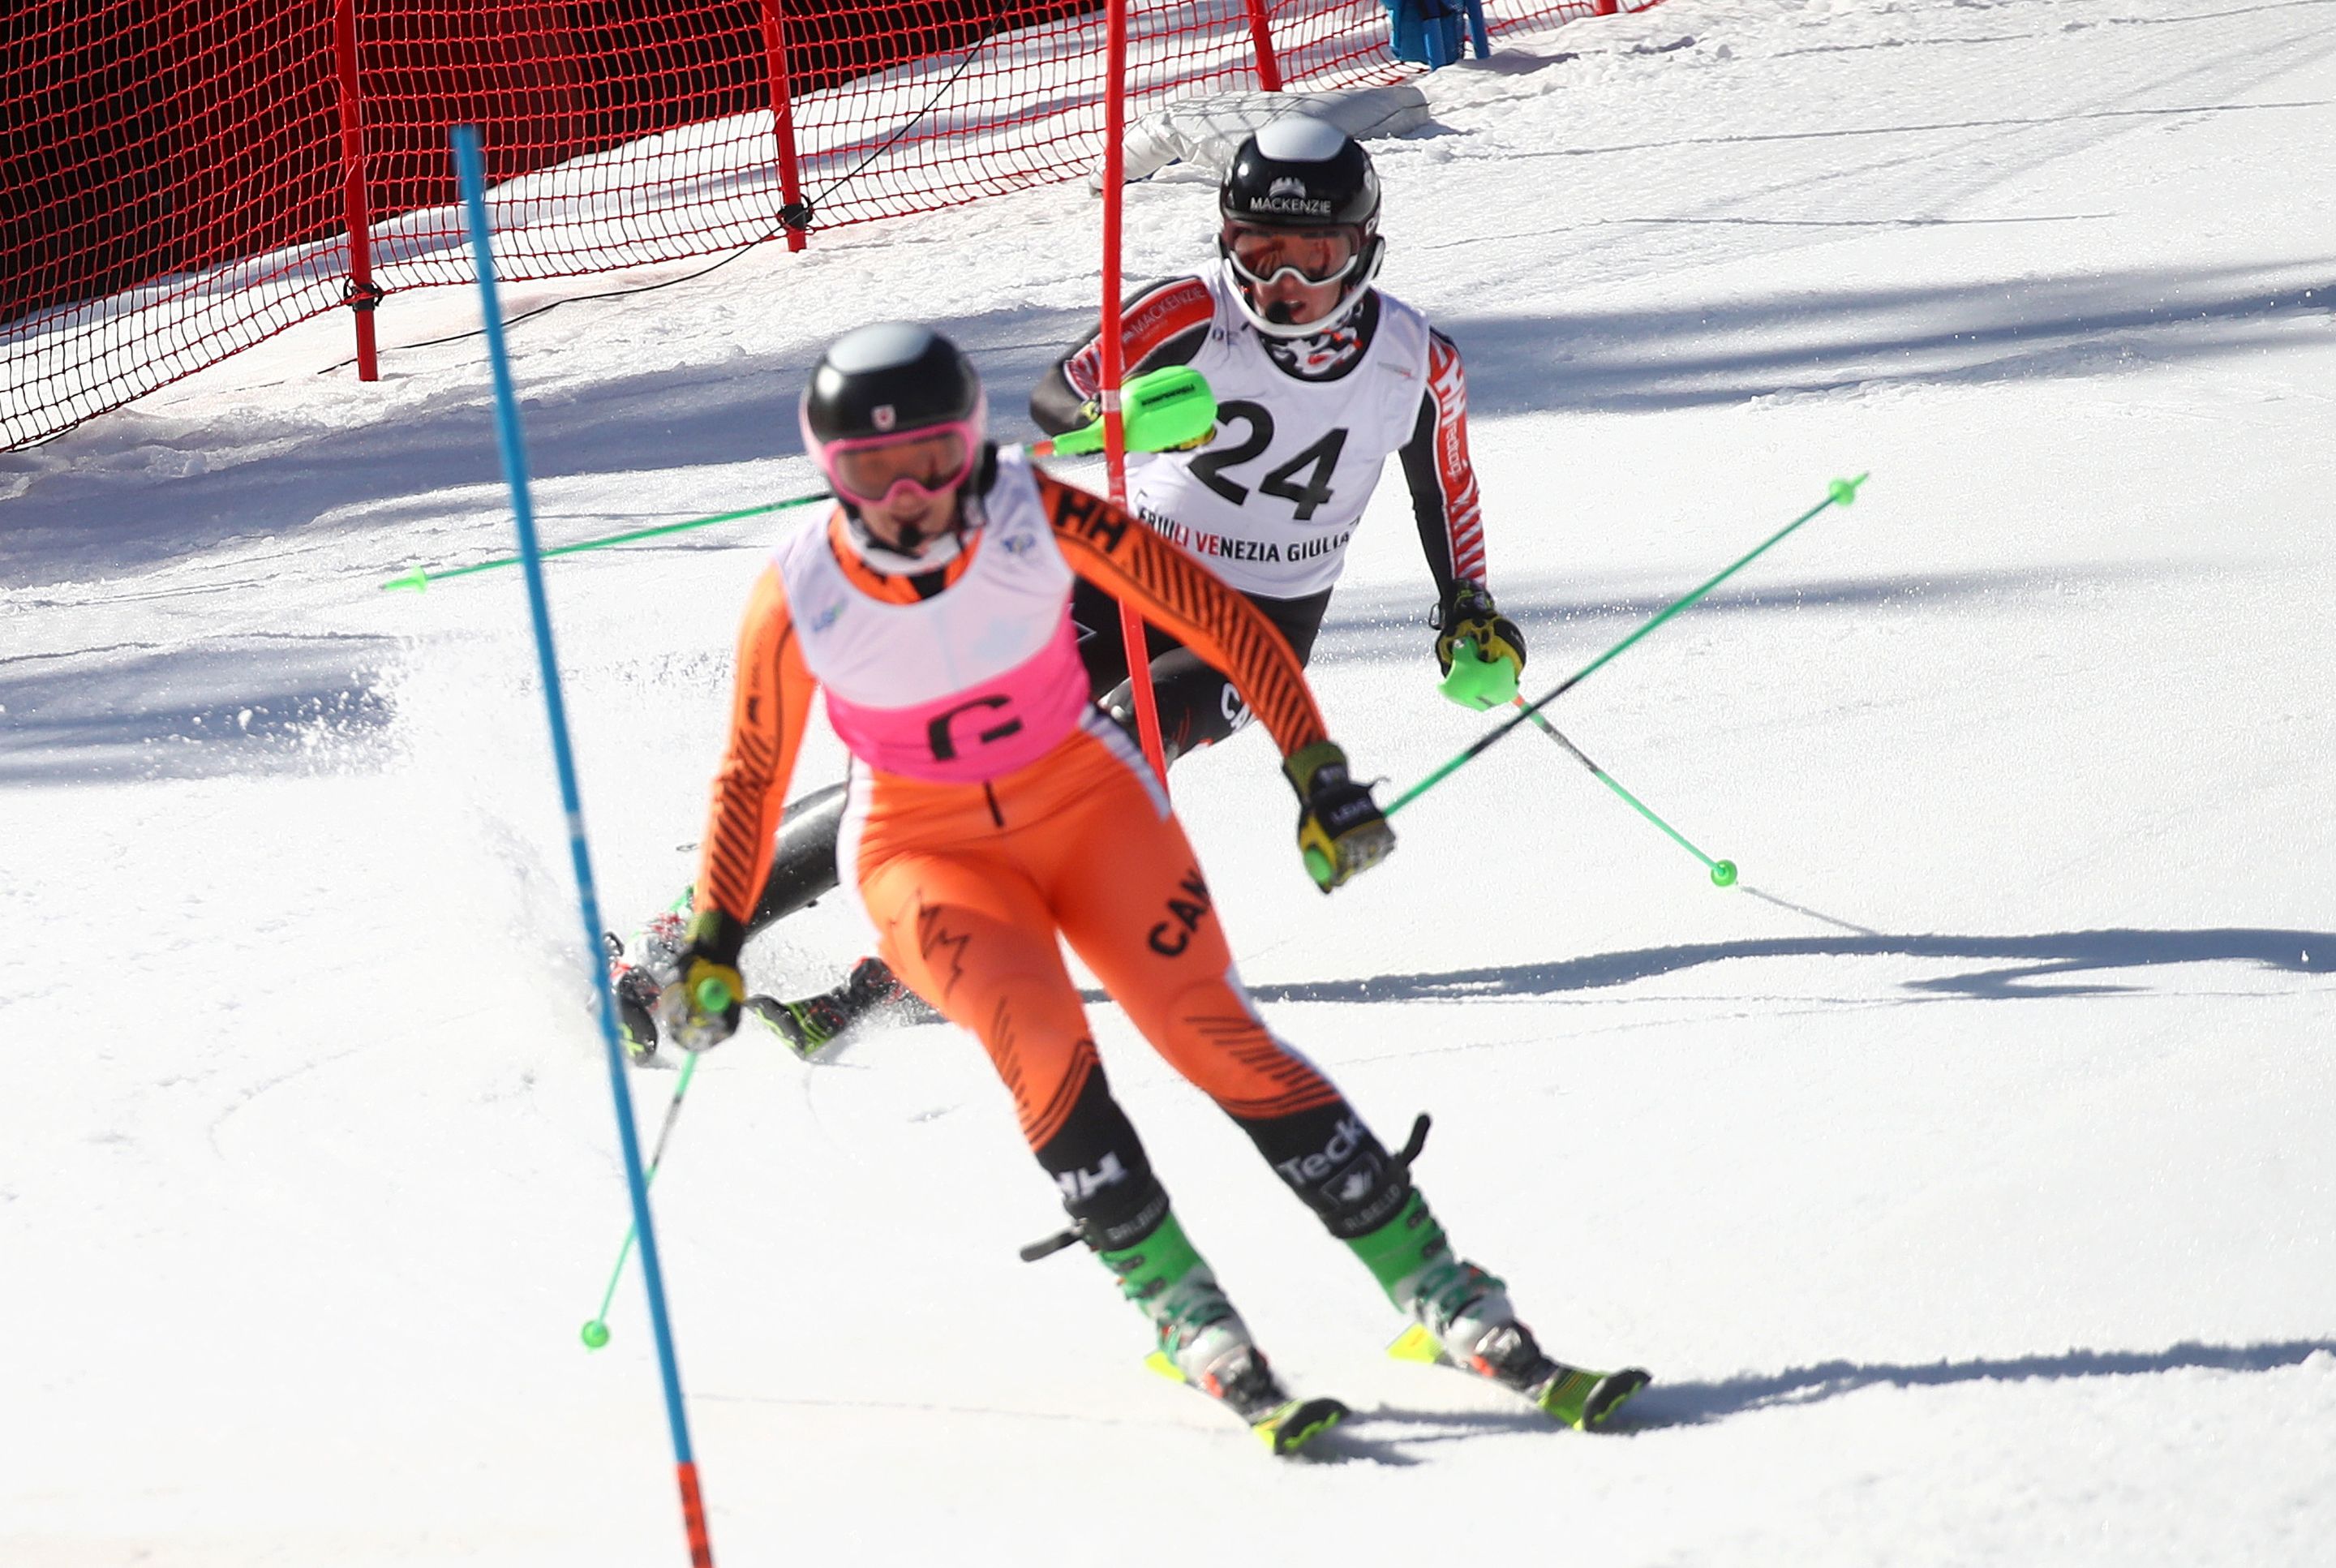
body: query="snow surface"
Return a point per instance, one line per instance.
(1965, 1176)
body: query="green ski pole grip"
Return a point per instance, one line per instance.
(1477, 682)
(1172, 406)
(1159, 409)
(714, 995)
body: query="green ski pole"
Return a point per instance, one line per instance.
(1841, 492)
(421, 577)
(596, 1328)
(1169, 407)
(1723, 873)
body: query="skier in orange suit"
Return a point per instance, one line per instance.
(995, 812)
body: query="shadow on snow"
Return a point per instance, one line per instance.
(1375, 626)
(2015, 967)
(1383, 1435)
(1698, 352)
(1695, 1404)
(247, 705)
(1979, 332)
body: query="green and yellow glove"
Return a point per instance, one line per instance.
(1091, 416)
(700, 1010)
(1481, 651)
(1340, 829)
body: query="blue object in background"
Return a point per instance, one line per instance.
(1430, 32)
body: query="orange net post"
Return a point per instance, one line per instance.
(1260, 34)
(792, 213)
(362, 295)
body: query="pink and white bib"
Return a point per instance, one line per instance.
(981, 679)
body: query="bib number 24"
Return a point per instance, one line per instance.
(1309, 493)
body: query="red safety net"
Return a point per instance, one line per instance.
(167, 162)
(179, 186)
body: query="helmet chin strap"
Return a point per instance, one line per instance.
(919, 550)
(915, 551)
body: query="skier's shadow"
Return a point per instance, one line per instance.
(2015, 967)
(1388, 1435)
(1693, 1404)
(2022, 968)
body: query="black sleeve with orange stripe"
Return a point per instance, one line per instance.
(1125, 559)
(1165, 324)
(1444, 496)
(769, 706)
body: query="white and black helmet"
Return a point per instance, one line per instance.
(1302, 175)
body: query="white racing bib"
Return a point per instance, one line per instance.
(1270, 504)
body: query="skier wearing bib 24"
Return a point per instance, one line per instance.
(1319, 376)
(993, 812)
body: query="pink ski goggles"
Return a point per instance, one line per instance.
(871, 470)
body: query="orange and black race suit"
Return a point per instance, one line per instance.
(972, 888)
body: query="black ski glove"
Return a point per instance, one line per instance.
(700, 1010)
(1481, 651)
(1340, 829)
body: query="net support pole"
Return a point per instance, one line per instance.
(792, 214)
(362, 295)
(1260, 33)
(470, 174)
(1115, 369)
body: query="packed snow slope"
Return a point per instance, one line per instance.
(1965, 1175)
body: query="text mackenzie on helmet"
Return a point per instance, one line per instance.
(1307, 206)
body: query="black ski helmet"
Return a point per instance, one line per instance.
(894, 378)
(891, 377)
(1301, 172)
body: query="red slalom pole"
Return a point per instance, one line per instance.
(1114, 435)
(362, 294)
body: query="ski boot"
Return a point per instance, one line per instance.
(869, 994)
(1201, 1340)
(635, 985)
(1461, 1316)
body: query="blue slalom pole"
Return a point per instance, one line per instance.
(470, 170)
